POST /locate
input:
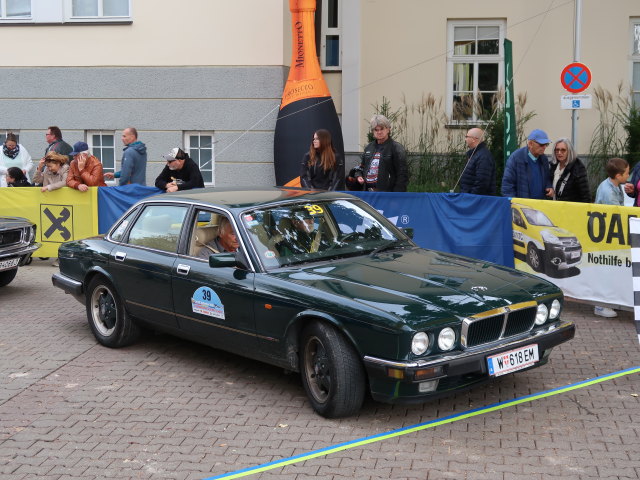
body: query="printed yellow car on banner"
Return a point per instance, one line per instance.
(545, 247)
(583, 248)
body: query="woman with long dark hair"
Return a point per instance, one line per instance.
(321, 166)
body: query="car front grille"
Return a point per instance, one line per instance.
(9, 238)
(500, 323)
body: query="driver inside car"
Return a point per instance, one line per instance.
(300, 234)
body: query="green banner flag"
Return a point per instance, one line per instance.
(510, 131)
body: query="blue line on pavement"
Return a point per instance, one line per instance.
(421, 426)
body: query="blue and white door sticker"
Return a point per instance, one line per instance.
(206, 302)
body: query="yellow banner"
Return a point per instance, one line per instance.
(62, 215)
(581, 247)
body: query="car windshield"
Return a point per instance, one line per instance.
(536, 217)
(307, 232)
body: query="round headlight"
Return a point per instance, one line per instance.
(446, 339)
(555, 309)
(542, 314)
(420, 343)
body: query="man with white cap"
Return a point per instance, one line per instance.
(180, 173)
(526, 174)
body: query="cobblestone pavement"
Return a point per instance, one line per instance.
(168, 408)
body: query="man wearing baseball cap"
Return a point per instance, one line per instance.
(180, 172)
(526, 174)
(85, 170)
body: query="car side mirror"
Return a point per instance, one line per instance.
(408, 232)
(226, 259)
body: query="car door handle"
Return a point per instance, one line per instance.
(183, 269)
(120, 256)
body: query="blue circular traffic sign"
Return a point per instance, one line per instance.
(575, 77)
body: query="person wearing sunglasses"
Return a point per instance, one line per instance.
(568, 173)
(526, 174)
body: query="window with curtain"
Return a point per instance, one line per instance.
(15, 9)
(199, 146)
(102, 145)
(100, 8)
(635, 60)
(474, 69)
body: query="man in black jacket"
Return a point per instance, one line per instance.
(384, 162)
(180, 173)
(479, 175)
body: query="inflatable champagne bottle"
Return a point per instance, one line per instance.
(306, 101)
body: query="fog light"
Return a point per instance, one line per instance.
(555, 309)
(446, 339)
(542, 314)
(420, 343)
(425, 387)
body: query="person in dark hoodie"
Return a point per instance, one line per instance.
(133, 168)
(180, 173)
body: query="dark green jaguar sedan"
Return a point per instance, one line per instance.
(318, 283)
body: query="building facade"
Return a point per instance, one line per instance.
(208, 75)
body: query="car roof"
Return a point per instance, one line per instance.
(243, 198)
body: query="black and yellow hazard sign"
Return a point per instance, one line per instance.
(56, 223)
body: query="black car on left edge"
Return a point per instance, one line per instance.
(17, 243)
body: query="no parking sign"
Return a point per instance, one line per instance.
(575, 77)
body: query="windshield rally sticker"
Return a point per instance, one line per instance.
(206, 302)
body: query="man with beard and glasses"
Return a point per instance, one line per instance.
(180, 173)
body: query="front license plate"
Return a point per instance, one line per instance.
(7, 264)
(513, 360)
(575, 254)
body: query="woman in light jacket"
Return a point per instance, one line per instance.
(14, 155)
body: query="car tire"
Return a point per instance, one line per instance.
(534, 258)
(7, 276)
(108, 319)
(332, 373)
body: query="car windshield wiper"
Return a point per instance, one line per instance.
(386, 246)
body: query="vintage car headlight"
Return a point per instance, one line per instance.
(31, 234)
(446, 339)
(420, 343)
(555, 309)
(542, 314)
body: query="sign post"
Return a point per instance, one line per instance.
(575, 78)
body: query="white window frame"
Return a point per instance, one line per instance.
(475, 59)
(326, 31)
(59, 12)
(100, 18)
(187, 147)
(5, 131)
(634, 58)
(23, 18)
(89, 139)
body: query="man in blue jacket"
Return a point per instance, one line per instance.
(479, 175)
(526, 174)
(133, 168)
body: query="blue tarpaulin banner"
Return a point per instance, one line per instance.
(476, 226)
(472, 225)
(114, 201)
